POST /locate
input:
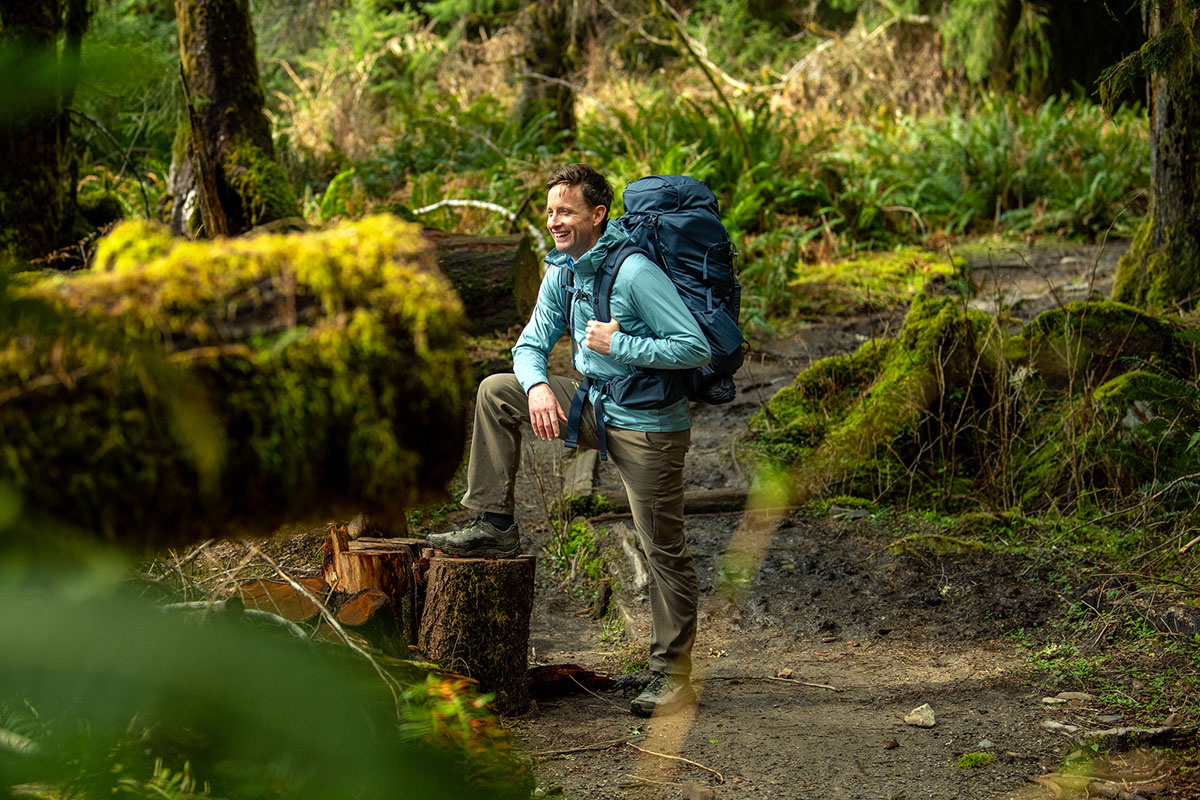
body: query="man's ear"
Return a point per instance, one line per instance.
(598, 213)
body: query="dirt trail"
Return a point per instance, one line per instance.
(806, 666)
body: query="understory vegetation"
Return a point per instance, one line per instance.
(855, 151)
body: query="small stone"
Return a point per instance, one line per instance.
(985, 744)
(892, 745)
(921, 717)
(1054, 701)
(853, 643)
(1082, 697)
(1173, 721)
(828, 639)
(783, 673)
(694, 791)
(1109, 718)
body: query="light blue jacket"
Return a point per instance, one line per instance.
(656, 330)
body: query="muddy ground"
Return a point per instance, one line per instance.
(807, 661)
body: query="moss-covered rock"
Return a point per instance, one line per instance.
(185, 390)
(870, 281)
(1089, 402)
(844, 417)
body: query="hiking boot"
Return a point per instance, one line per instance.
(480, 538)
(665, 693)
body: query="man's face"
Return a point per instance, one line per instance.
(574, 224)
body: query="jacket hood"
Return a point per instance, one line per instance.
(611, 239)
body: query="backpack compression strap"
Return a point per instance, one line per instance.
(606, 275)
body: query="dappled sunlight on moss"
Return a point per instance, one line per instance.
(332, 364)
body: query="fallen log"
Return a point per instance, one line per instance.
(189, 390)
(697, 501)
(497, 277)
(476, 621)
(556, 680)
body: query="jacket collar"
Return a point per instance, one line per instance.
(588, 263)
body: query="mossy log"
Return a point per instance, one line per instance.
(497, 277)
(188, 390)
(394, 567)
(476, 621)
(1093, 399)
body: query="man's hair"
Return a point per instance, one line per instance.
(596, 189)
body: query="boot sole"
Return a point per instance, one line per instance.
(480, 552)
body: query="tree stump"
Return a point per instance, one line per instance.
(283, 599)
(393, 567)
(476, 621)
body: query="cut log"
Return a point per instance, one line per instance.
(393, 567)
(283, 599)
(497, 277)
(476, 621)
(371, 614)
(241, 383)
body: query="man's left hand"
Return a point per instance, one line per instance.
(599, 335)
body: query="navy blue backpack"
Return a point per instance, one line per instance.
(674, 220)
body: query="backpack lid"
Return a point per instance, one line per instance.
(665, 194)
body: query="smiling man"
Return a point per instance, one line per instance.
(650, 327)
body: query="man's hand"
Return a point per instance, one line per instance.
(599, 335)
(544, 411)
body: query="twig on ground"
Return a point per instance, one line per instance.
(593, 694)
(720, 777)
(806, 683)
(605, 745)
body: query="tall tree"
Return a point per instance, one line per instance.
(551, 31)
(39, 57)
(228, 140)
(1163, 265)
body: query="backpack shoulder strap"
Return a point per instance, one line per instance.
(606, 276)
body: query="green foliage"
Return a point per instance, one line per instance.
(574, 549)
(974, 760)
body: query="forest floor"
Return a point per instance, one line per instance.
(806, 665)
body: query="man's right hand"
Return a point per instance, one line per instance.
(544, 411)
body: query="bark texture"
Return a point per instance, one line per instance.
(497, 277)
(37, 195)
(1162, 267)
(217, 48)
(476, 621)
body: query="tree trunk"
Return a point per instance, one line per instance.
(551, 29)
(1162, 267)
(37, 187)
(283, 599)
(497, 277)
(216, 44)
(476, 621)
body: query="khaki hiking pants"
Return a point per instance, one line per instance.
(650, 465)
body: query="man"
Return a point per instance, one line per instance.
(650, 327)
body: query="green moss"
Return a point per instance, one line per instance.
(1078, 344)
(331, 363)
(828, 437)
(935, 543)
(345, 197)
(974, 760)
(871, 281)
(260, 184)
